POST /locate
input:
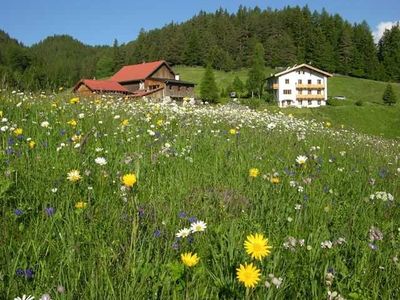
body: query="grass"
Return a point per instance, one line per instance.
(189, 163)
(371, 118)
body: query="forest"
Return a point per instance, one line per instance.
(221, 39)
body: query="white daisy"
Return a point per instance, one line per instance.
(25, 297)
(185, 232)
(301, 159)
(198, 226)
(100, 161)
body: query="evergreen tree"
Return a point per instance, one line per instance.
(208, 86)
(389, 52)
(192, 52)
(345, 50)
(389, 96)
(104, 67)
(238, 86)
(118, 57)
(256, 76)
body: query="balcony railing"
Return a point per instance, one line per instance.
(310, 97)
(310, 86)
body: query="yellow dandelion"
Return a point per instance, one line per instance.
(72, 122)
(1, 113)
(18, 131)
(189, 259)
(129, 180)
(54, 105)
(254, 172)
(80, 205)
(74, 100)
(76, 138)
(249, 275)
(125, 122)
(257, 246)
(74, 176)
(275, 180)
(160, 123)
(328, 124)
(232, 131)
(60, 88)
(32, 144)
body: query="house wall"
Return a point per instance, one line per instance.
(131, 86)
(304, 75)
(163, 72)
(179, 91)
(153, 84)
(83, 89)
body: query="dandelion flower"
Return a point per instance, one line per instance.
(301, 159)
(257, 246)
(183, 233)
(32, 144)
(129, 180)
(80, 205)
(72, 122)
(74, 100)
(189, 259)
(125, 122)
(249, 275)
(254, 172)
(18, 131)
(198, 226)
(232, 131)
(74, 176)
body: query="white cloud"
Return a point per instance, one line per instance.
(380, 29)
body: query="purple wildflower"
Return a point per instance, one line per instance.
(182, 215)
(18, 212)
(157, 233)
(50, 211)
(20, 272)
(192, 219)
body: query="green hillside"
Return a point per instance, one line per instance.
(371, 118)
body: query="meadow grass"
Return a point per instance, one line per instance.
(98, 239)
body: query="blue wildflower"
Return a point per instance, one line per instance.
(182, 215)
(50, 211)
(18, 212)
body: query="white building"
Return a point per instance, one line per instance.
(300, 86)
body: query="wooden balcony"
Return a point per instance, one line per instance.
(310, 97)
(310, 86)
(275, 86)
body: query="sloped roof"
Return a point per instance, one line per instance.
(302, 66)
(139, 71)
(102, 85)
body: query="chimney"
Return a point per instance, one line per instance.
(177, 77)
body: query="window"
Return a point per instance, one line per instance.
(304, 72)
(309, 81)
(287, 92)
(319, 92)
(287, 81)
(309, 102)
(319, 102)
(300, 92)
(299, 81)
(309, 92)
(319, 81)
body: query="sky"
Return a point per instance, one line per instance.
(99, 22)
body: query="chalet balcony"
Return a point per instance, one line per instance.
(310, 97)
(300, 86)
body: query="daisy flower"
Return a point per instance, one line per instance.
(74, 176)
(183, 233)
(198, 226)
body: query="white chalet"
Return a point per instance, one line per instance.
(300, 86)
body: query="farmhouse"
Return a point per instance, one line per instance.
(88, 86)
(154, 79)
(300, 86)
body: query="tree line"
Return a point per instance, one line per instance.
(221, 39)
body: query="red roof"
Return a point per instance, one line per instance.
(138, 72)
(102, 85)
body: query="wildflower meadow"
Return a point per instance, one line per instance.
(114, 198)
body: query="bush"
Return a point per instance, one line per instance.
(334, 102)
(359, 103)
(253, 103)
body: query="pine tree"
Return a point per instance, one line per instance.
(389, 52)
(389, 96)
(208, 86)
(256, 76)
(118, 56)
(104, 67)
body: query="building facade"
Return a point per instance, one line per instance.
(300, 86)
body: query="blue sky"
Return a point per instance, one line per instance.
(99, 22)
